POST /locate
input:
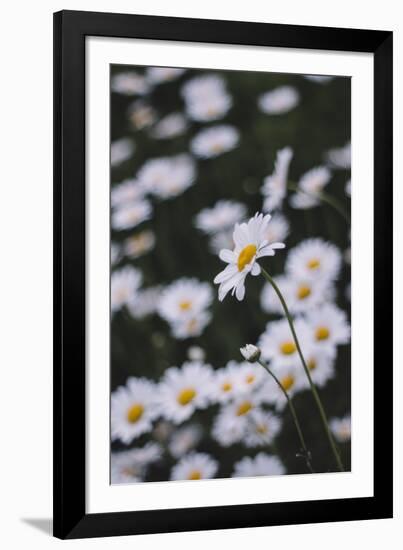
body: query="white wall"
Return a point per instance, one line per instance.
(25, 299)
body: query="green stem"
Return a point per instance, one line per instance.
(311, 384)
(324, 197)
(306, 453)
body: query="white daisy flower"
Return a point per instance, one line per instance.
(196, 353)
(183, 299)
(170, 126)
(141, 114)
(130, 466)
(195, 466)
(124, 286)
(274, 187)
(139, 244)
(144, 302)
(277, 343)
(262, 465)
(341, 428)
(184, 440)
(279, 101)
(203, 86)
(221, 240)
(329, 327)
(250, 377)
(167, 177)
(262, 429)
(121, 150)
(192, 326)
(130, 215)
(127, 191)
(250, 245)
(133, 409)
(348, 188)
(222, 216)
(314, 259)
(320, 365)
(184, 390)
(340, 157)
(310, 184)
(291, 377)
(129, 83)
(211, 107)
(320, 79)
(158, 75)
(214, 141)
(232, 421)
(226, 383)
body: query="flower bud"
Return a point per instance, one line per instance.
(251, 353)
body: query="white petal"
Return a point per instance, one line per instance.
(267, 251)
(277, 245)
(240, 291)
(227, 256)
(256, 270)
(228, 272)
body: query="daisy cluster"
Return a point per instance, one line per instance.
(188, 409)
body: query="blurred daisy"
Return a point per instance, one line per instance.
(127, 191)
(348, 188)
(291, 377)
(277, 343)
(158, 75)
(250, 376)
(320, 365)
(262, 465)
(121, 150)
(184, 440)
(183, 299)
(226, 383)
(279, 101)
(314, 259)
(222, 216)
(144, 302)
(262, 429)
(274, 187)
(170, 126)
(139, 244)
(311, 183)
(206, 98)
(340, 157)
(133, 409)
(194, 466)
(167, 177)
(130, 466)
(124, 286)
(184, 390)
(231, 423)
(196, 353)
(130, 215)
(141, 114)
(129, 83)
(341, 428)
(191, 326)
(214, 141)
(278, 228)
(329, 327)
(320, 79)
(203, 86)
(250, 245)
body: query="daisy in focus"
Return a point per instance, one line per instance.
(250, 245)
(194, 466)
(274, 188)
(262, 465)
(214, 141)
(309, 188)
(279, 101)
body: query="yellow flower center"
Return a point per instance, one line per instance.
(312, 364)
(303, 292)
(186, 396)
(322, 333)
(194, 474)
(227, 386)
(185, 305)
(246, 256)
(250, 378)
(314, 263)
(261, 428)
(287, 382)
(135, 413)
(244, 408)
(288, 348)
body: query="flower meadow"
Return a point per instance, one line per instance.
(230, 274)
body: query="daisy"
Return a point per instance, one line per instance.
(277, 343)
(203, 86)
(292, 379)
(310, 185)
(158, 75)
(250, 245)
(329, 327)
(341, 428)
(139, 244)
(184, 390)
(321, 79)
(129, 83)
(144, 302)
(170, 126)
(211, 107)
(274, 187)
(121, 150)
(279, 101)
(214, 141)
(195, 466)
(133, 409)
(192, 326)
(183, 299)
(222, 216)
(141, 114)
(250, 377)
(226, 383)
(314, 259)
(127, 191)
(320, 365)
(130, 215)
(185, 439)
(232, 421)
(262, 465)
(130, 466)
(124, 286)
(167, 177)
(262, 429)
(340, 157)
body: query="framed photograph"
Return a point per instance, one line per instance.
(223, 274)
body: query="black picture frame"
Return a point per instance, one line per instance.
(70, 517)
